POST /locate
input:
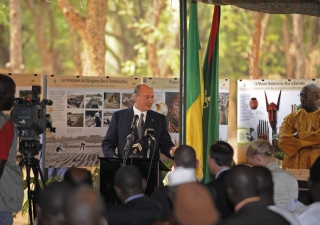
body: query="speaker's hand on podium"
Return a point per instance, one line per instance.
(172, 150)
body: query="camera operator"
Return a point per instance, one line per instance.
(11, 190)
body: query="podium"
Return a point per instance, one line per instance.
(109, 166)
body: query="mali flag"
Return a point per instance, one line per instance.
(195, 91)
(211, 81)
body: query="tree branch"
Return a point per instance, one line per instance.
(72, 16)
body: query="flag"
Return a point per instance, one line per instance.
(194, 89)
(211, 90)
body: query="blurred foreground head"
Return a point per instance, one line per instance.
(193, 205)
(78, 176)
(84, 206)
(51, 202)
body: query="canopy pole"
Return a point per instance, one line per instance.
(183, 70)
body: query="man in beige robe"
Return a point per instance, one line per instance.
(299, 136)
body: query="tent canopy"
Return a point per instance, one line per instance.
(305, 7)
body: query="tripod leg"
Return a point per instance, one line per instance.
(30, 195)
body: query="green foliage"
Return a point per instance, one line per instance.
(4, 15)
(96, 179)
(25, 206)
(279, 154)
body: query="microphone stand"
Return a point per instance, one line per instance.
(129, 140)
(149, 146)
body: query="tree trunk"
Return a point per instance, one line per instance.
(154, 13)
(92, 31)
(16, 65)
(287, 45)
(315, 32)
(46, 48)
(264, 26)
(76, 49)
(255, 50)
(313, 57)
(298, 30)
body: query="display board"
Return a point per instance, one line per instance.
(167, 102)
(81, 112)
(262, 106)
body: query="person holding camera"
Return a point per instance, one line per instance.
(11, 189)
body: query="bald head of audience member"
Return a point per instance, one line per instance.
(78, 176)
(265, 184)
(314, 180)
(128, 182)
(193, 205)
(185, 156)
(84, 206)
(241, 184)
(51, 202)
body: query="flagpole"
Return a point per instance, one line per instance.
(183, 70)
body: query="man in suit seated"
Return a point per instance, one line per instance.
(220, 160)
(266, 193)
(137, 208)
(242, 189)
(122, 124)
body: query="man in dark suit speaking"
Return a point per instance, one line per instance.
(143, 121)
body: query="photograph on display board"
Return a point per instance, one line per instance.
(75, 100)
(111, 100)
(223, 108)
(74, 119)
(25, 94)
(93, 100)
(72, 151)
(93, 118)
(107, 116)
(172, 101)
(127, 100)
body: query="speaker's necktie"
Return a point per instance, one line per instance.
(140, 126)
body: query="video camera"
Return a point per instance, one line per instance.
(31, 119)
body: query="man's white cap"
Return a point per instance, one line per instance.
(182, 175)
(97, 114)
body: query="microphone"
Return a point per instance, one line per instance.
(134, 122)
(149, 132)
(137, 146)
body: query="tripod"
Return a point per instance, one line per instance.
(32, 163)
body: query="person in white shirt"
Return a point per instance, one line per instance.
(260, 153)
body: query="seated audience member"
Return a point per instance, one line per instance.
(177, 177)
(78, 176)
(265, 187)
(220, 160)
(184, 156)
(310, 215)
(260, 153)
(243, 192)
(51, 202)
(193, 205)
(137, 208)
(84, 206)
